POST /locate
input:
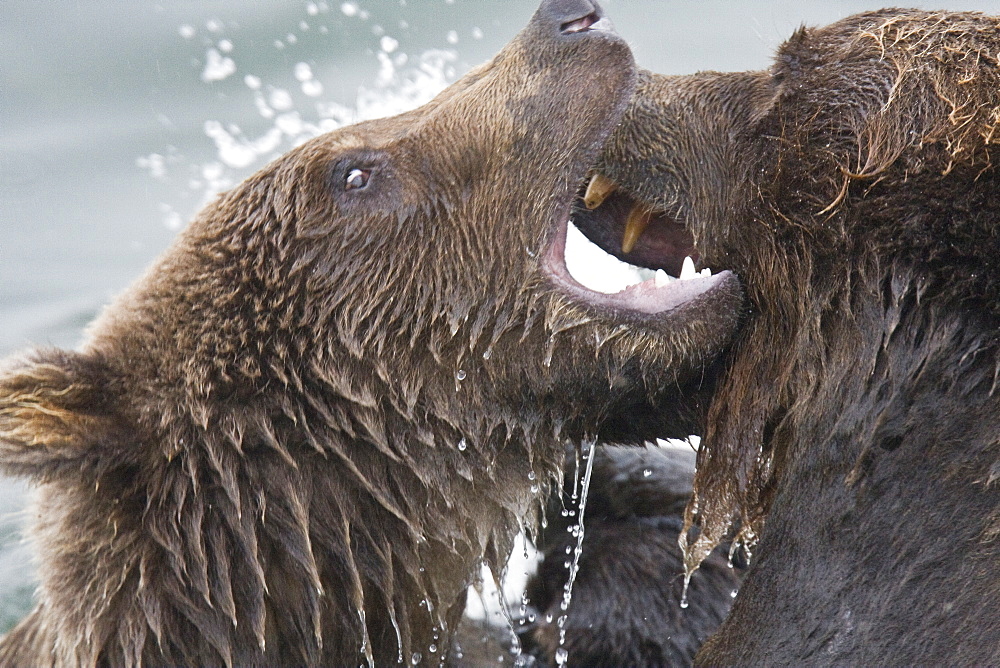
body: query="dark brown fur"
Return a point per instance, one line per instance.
(852, 188)
(625, 607)
(294, 440)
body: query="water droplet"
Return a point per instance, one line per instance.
(531, 475)
(488, 353)
(415, 659)
(684, 594)
(562, 656)
(549, 352)
(534, 489)
(433, 648)
(462, 445)
(460, 374)
(733, 593)
(647, 472)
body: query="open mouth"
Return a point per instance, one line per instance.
(618, 252)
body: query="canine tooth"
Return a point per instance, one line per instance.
(635, 225)
(660, 278)
(598, 190)
(687, 269)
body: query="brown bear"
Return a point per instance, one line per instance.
(851, 187)
(625, 606)
(294, 440)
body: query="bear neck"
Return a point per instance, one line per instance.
(371, 536)
(882, 532)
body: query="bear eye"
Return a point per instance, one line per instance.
(356, 179)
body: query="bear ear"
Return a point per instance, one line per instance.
(55, 412)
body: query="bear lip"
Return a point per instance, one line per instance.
(664, 247)
(649, 297)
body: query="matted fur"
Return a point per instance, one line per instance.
(625, 608)
(295, 439)
(853, 190)
(882, 154)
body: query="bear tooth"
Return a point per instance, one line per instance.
(635, 225)
(598, 190)
(687, 269)
(661, 278)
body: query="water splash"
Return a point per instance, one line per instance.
(217, 66)
(404, 81)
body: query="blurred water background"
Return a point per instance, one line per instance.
(120, 118)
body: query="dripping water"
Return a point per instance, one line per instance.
(589, 455)
(550, 350)
(576, 474)
(399, 634)
(515, 646)
(366, 645)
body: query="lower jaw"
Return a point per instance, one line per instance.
(649, 298)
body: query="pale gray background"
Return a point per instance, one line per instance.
(87, 88)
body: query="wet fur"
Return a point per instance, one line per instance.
(298, 436)
(625, 606)
(853, 190)
(254, 459)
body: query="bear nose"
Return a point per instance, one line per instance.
(572, 16)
